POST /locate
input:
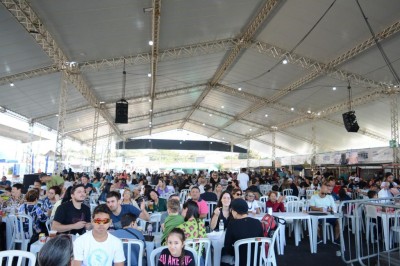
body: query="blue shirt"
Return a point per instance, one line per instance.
(130, 233)
(124, 210)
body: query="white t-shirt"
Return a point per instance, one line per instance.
(327, 201)
(93, 253)
(243, 180)
(253, 206)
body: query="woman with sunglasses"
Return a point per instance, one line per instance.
(237, 193)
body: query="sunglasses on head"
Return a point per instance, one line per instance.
(101, 221)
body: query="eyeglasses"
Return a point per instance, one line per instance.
(238, 194)
(250, 196)
(101, 221)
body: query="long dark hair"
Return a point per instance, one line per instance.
(67, 195)
(219, 204)
(57, 251)
(192, 210)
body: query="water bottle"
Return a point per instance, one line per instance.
(221, 225)
(150, 229)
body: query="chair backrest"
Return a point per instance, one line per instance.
(294, 206)
(183, 195)
(255, 250)
(397, 218)
(18, 227)
(21, 255)
(92, 207)
(287, 192)
(211, 207)
(371, 212)
(198, 244)
(291, 198)
(155, 254)
(309, 193)
(129, 244)
(156, 218)
(48, 224)
(263, 199)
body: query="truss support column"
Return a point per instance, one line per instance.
(273, 149)
(109, 148)
(62, 110)
(314, 146)
(394, 117)
(29, 151)
(248, 153)
(94, 140)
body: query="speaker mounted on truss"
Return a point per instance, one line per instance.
(350, 121)
(121, 112)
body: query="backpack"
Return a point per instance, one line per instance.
(269, 225)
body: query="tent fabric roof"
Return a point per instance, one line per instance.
(203, 52)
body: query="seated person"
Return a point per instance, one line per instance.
(98, 247)
(251, 203)
(208, 195)
(130, 231)
(173, 219)
(56, 252)
(156, 204)
(240, 227)
(176, 254)
(324, 202)
(222, 211)
(275, 203)
(193, 227)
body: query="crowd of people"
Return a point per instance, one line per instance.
(123, 198)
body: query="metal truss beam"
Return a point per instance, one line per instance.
(191, 50)
(161, 94)
(25, 15)
(29, 74)
(155, 25)
(394, 127)
(108, 152)
(231, 57)
(94, 140)
(62, 106)
(29, 151)
(318, 70)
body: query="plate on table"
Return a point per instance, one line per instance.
(316, 213)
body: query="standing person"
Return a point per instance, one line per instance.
(73, 217)
(176, 254)
(98, 247)
(241, 227)
(203, 207)
(243, 178)
(130, 231)
(51, 181)
(118, 210)
(222, 211)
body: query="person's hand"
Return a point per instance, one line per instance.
(217, 211)
(79, 225)
(142, 205)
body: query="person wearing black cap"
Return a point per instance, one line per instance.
(208, 195)
(241, 227)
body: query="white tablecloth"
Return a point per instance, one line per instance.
(217, 241)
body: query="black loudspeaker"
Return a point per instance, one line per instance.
(29, 180)
(121, 112)
(350, 121)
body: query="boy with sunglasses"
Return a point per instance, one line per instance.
(98, 247)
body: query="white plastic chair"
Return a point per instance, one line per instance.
(20, 254)
(259, 252)
(183, 195)
(198, 244)
(309, 193)
(395, 228)
(18, 235)
(287, 192)
(291, 198)
(128, 245)
(48, 224)
(92, 207)
(211, 207)
(155, 254)
(262, 203)
(294, 206)
(156, 218)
